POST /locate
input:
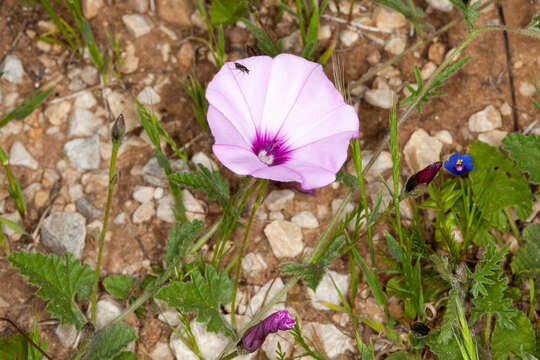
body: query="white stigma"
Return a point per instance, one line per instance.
(265, 158)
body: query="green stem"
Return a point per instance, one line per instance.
(112, 181)
(487, 331)
(5, 247)
(262, 188)
(513, 226)
(230, 356)
(532, 296)
(395, 169)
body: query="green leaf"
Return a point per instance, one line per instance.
(14, 347)
(525, 151)
(398, 355)
(488, 270)
(180, 238)
(227, 12)
(28, 105)
(497, 183)
(265, 44)
(126, 355)
(58, 281)
(526, 261)
(212, 183)
(450, 318)
(203, 294)
(395, 249)
(505, 342)
(119, 286)
(443, 350)
(109, 341)
(371, 278)
(12, 225)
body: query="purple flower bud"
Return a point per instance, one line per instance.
(119, 128)
(255, 335)
(424, 176)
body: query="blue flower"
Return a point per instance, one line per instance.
(459, 164)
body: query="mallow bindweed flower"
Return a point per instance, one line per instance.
(282, 119)
(459, 164)
(255, 335)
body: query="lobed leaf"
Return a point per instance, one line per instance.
(526, 261)
(180, 238)
(506, 342)
(212, 183)
(109, 341)
(525, 151)
(227, 12)
(119, 286)
(203, 294)
(58, 281)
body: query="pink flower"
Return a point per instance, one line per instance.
(282, 119)
(255, 335)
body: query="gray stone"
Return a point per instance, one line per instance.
(86, 209)
(143, 193)
(277, 199)
(20, 157)
(285, 238)
(12, 69)
(442, 5)
(143, 213)
(138, 25)
(149, 96)
(422, 150)
(153, 174)
(80, 78)
(485, 120)
(333, 340)
(176, 12)
(164, 210)
(85, 100)
(253, 264)
(382, 98)
(67, 334)
(305, 219)
(83, 154)
(82, 123)
(63, 231)
(326, 292)
(106, 311)
(493, 137)
(204, 160)
(292, 41)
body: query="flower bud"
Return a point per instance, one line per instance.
(119, 128)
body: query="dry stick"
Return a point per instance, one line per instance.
(27, 338)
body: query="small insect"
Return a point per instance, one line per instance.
(420, 328)
(241, 67)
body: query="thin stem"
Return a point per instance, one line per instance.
(262, 188)
(112, 181)
(27, 338)
(532, 296)
(487, 330)
(395, 168)
(513, 226)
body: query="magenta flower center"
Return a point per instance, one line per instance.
(270, 149)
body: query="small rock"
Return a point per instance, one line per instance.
(153, 174)
(336, 203)
(139, 6)
(194, 208)
(131, 62)
(185, 55)
(83, 154)
(348, 37)
(285, 238)
(506, 109)
(253, 264)
(387, 19)
(138, 25)
(176, 12)
(106, 311)
(143, 213)
(125, 105)
(85, 100)
(164, 211)
(395, 44)
(374, 58)
(158, 193)
(40, 198)
(80, 78)
(12, 69)
(493, 137)
(445, 137)
(143, 194)
(359, 90)
(267, 291)
(325, 33)
(20, 157)
(58, 113)
(380, 166)
(428, 69)
(442, 5)
(485, 120)
(149, 96)
(204, 160)
(161, 352)
(180, 350)
(326, 292)
(436, 53)
(382, 98)
(277, 199)
(527, 89)
(334, 342)
(91, 8)
(422, 150)
(305, 219)
(292, 41)
(372, 310)
(276, 215)
(75, 192)
(86, 209)
(67, 335)
(82, 123)
(62, 231)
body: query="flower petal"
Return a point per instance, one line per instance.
(237, 159)
(312, 176)
(281, 173)
(288, 77)
(315, 127)
(224, 130)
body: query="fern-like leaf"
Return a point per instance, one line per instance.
(212, 183)
(180, 238)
